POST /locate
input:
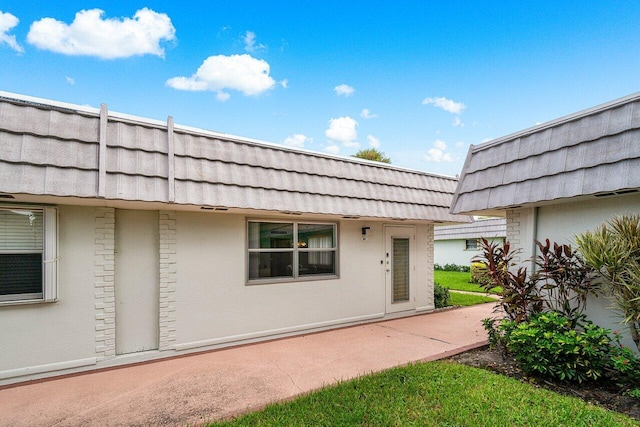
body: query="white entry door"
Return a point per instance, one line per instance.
(400, 268)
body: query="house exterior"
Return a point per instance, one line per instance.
(458, 244)
(124, 239)
(558, 179)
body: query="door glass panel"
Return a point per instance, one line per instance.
(400, 270)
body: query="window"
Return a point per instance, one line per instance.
(291, 250)
(471, 244)
(27, 253)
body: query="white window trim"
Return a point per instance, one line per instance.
(295, 250)
(49, 259)
(476, 249)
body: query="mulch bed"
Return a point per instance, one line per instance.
(601, 393)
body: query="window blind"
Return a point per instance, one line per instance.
(21, 231)
(21, 252)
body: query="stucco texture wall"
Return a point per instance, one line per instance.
(51, 333)
(214, 303)
(453, 252)
(195, 294)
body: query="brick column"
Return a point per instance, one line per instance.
(429, 235)
(104, 264)
(513, 231)
(167, 228)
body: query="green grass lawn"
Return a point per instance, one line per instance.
(467, 299)
(459, 281)
(433, 394)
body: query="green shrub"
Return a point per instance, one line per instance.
(625, 365)
(548, 345)
(497, 334)
(451, 267)
(440, 295)
(480, 273)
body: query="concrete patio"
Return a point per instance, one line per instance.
(194, 389)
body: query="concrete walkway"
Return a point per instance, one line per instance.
(196, 389)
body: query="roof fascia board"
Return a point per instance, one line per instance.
(456, 193)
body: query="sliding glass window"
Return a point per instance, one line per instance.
(291, 250)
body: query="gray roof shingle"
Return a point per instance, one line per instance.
(492, 227)
(55, 149)
(587, 153)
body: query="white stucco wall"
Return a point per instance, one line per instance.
(202, 298)
(215, 305)
(57, 334)
(453, 252)
(561, 223)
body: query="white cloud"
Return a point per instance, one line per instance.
(250, 42)
(445, 104)
(437, 154)
(459, 144)
(297, 140)
(284, 83)
(89, 34)
(70, 80)
(440, 145)
(343, 129)
(373, 141)
(332, 148)
(236, 72)
(344, 89)
(366, 114)
(222, 96)
(7, 22)
(457, 122)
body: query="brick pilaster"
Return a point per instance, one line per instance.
(167, 229)
(104, 267)
(429, 235)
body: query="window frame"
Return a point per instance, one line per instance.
(475, 248)
(295, 250)
(49, 257)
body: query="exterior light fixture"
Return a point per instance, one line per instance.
(365, 232)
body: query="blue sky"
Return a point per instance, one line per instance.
(419, 80)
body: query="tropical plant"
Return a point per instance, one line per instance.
(372, 154)
(520, 296)
(567, 279)
(613, 249)
(561, 283)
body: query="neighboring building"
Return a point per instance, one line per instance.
(458, 244)
(124, 239)
(559, 179)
